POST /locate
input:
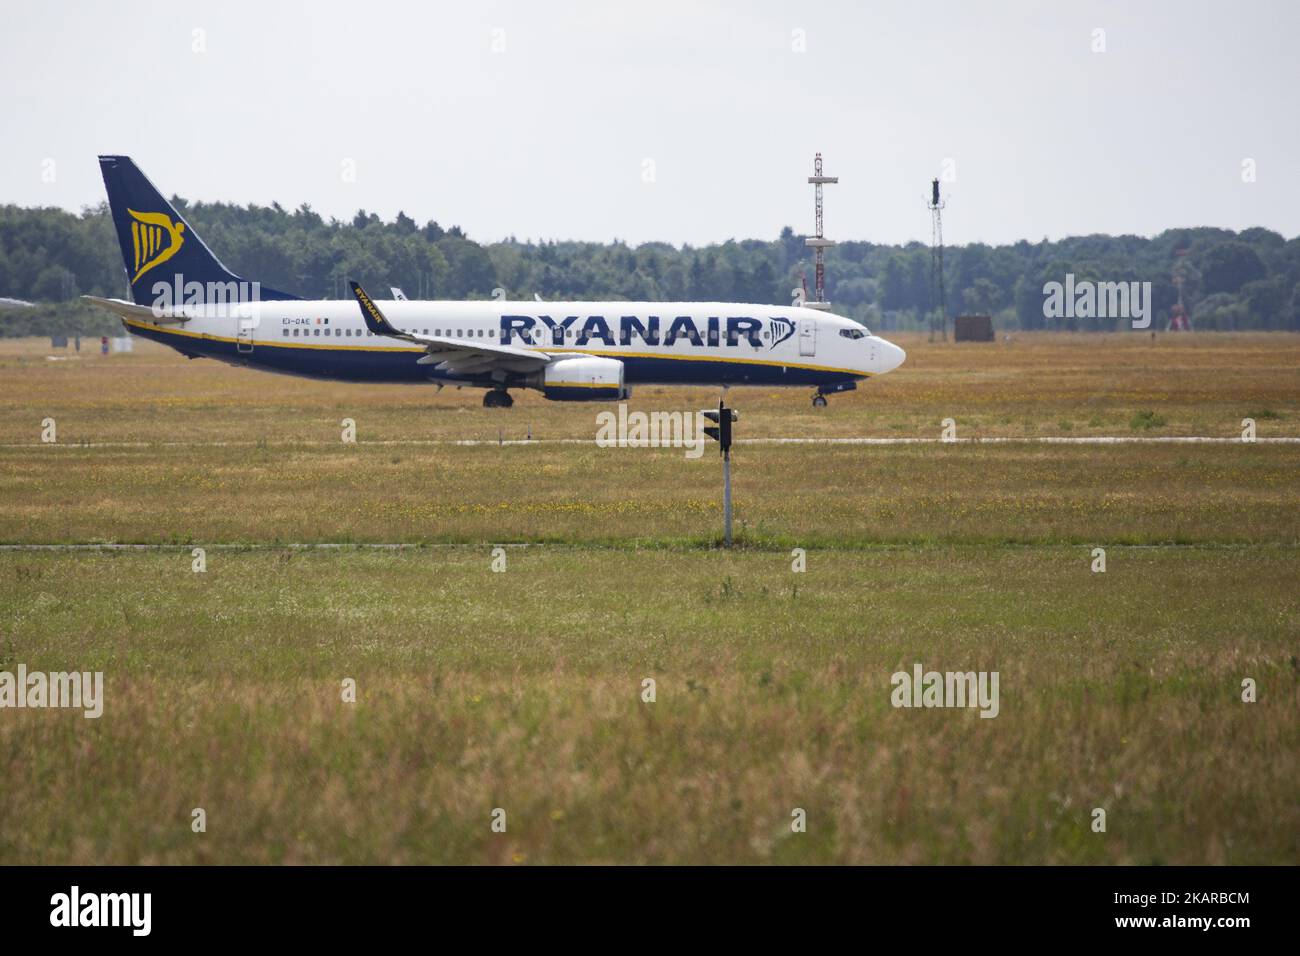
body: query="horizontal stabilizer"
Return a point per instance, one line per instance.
(129, 310)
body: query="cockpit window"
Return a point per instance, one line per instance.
(854, 333)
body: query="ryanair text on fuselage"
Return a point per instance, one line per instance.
(543, 330)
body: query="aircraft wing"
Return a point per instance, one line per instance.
(458, 356)
(129, 310)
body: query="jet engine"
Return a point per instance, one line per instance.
(582, 379)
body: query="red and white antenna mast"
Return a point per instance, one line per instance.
(820, 243)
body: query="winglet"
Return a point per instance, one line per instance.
(374, 319)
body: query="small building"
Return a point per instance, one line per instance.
(973, 328)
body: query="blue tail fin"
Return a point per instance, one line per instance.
(164, 256)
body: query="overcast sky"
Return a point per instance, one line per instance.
(675, 121)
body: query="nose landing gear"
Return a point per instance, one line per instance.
(497, 398)
(819, 397)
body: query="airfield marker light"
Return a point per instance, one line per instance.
(722, 419)
(935, 205)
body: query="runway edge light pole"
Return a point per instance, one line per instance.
(720, 432)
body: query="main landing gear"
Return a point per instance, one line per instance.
(819, 400)
(497, 398)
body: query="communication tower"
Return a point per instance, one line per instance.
(819, 242)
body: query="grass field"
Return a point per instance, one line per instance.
(522, 690)
(1035, 384)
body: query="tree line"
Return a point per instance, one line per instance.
(1228, 280)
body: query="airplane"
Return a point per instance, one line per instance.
(182, 296)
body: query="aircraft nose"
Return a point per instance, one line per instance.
(891, 356)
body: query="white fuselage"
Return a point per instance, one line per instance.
(660, 342)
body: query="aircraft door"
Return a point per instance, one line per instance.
(807, 337)
(244, 337)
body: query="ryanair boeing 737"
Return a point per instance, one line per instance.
(572, 351)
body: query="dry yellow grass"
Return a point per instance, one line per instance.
(229, 454)
(1201, 384)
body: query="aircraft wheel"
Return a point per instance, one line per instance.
(497, 398)
(819, 401)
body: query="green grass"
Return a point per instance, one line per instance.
(521, 690)
(1146, 420)
(785, 495)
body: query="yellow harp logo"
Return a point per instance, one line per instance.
(154, 239)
